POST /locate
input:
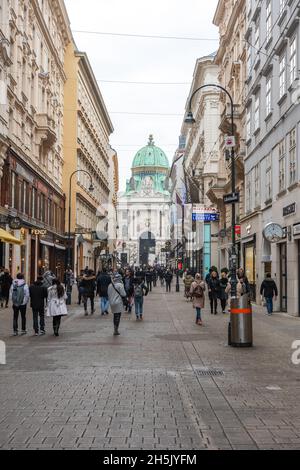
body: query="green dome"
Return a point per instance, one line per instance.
(150, 156)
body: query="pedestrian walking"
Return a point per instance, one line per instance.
(88, 284)
(168, 279)
(103, 281)
(241, 276)
(38, 296)
(129, 289)
(213, 292)
(117, 298)
(188, 281)
(48, 278)
(197, 290)
(149, 279)
(56, 305)
(223, 296)
(79, 286)
(268, 290)
(6, 282)
(19, 293)
(69, 281)
(140, 290)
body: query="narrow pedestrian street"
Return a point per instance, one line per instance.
(150, 388)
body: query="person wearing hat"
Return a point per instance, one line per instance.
(117, 297)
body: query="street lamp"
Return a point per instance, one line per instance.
(189, 120)
(91, 189)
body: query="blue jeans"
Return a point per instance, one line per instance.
(104, 304)
(198, 313)
(269, 302)
(138, 303)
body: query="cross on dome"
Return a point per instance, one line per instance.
(151, 140)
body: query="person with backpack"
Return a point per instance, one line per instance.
(38, 296)
(19, 293)
(117, 298)
(268, 290)
(139, 291)
(197, 294)
(56, 306)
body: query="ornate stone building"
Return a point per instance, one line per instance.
(34, 36)
(88, 156)
(144, 209)
(230, 17)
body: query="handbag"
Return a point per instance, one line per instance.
(124, 299)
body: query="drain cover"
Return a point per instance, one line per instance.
(205, 371)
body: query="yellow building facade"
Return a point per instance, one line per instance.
(87, 157)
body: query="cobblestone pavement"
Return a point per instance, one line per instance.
(144, 389)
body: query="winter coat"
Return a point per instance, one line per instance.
(188, 280)
(6, 282)
(246, 282)
(38, 295)
(128, 286)
(56, 306)
(88, 285)
(168, 277)
(19, 283)
(149, 276)
(102, 284)
(48, 278)
(198, 302)
(213, 287)
(240, 289)
(268, 288)
(223, 282)
(115, 298)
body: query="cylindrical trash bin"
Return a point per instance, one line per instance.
(241, 334)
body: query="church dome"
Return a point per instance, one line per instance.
(150, 156)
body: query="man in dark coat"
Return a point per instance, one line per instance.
(267, 290)
(6, 282)
(38, 295)
(168, 278)
(149, 279)
(213, 292)
(88, 284)
(103, 281)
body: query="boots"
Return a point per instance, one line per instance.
(116, 332)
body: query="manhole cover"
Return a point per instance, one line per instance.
(205, 371)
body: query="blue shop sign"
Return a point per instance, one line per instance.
(206, 217)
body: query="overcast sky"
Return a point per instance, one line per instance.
(141, 59)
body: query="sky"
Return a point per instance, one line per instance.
(144, 60)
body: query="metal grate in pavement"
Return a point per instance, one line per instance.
(206, 372)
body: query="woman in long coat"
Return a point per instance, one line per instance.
(56, 306)
(197, 294)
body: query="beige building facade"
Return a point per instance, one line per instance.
(34, 36)
(230, 18)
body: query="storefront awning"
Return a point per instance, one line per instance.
(7, 237)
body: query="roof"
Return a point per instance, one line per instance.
(150, 156)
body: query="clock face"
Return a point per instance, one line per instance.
(273, 233)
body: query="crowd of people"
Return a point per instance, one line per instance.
(120, 291)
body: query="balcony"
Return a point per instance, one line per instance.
(45, 130)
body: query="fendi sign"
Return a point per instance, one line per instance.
(38, 232)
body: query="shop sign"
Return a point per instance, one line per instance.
(288, 210)
(230, 142)
(231, 198)
(39, 232)
(83, 231)
(296, 230)
(237, 230)
(15, 223)
(205, 214)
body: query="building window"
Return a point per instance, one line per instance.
(269, 177)
(269, 20)
(248, 124)
(292, 155)
(282, 76)
(293, 60)
(256, 35)
(257, 112)
(13, 190)
(281, 147)
(248, 192)
(268, 95)
(257, 185)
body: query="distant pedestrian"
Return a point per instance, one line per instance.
(88, 284)
(268, 290)
(129, 289)
(56, 305)
(69, 281)
(117, 297)
(79, 287)
(168, 279)
(223, 296)
(213, 292)
(19, 293)
(38, 297)
(6, 282)
(241, 276)
(188, 281)
(48, 277)
(149, 279)
(103, 281)
(140, 290)
(197, 293)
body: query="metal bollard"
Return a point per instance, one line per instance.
(240, 332)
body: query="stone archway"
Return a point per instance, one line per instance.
(147, 247)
